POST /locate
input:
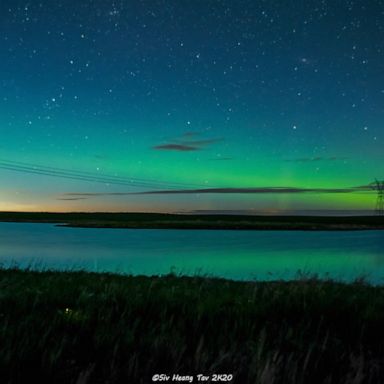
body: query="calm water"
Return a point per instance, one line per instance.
(263, 255)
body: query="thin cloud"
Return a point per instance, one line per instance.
(260, 190)
(176, 147)
(187, 142)
(72, 198)
(95, 194)
(248, 190)
(191, 134)
(314, 159)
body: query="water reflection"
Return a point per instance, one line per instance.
(263, 255)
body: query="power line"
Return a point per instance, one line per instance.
(87, 176)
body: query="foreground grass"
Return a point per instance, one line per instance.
(78, 327)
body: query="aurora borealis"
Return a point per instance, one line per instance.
(104, 100)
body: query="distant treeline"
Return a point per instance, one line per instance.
(178, 221)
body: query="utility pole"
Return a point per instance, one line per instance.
(378, 186)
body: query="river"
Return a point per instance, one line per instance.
(240, 255)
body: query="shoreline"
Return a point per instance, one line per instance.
(240, 227)
(202, 222)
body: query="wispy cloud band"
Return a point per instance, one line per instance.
(260, 190)
(314, 159)
(176, 147)
(186, 143)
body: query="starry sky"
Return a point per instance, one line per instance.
(182, 106)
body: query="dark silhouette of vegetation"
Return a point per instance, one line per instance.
(174, 221)
(79, 327)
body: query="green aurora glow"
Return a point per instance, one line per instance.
(198, 95)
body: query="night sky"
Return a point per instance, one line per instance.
(103, 100)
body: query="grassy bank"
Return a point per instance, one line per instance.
(77, 327)
(160, 220)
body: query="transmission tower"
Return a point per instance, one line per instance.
(378, 186)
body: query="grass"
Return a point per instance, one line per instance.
(80, 327)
